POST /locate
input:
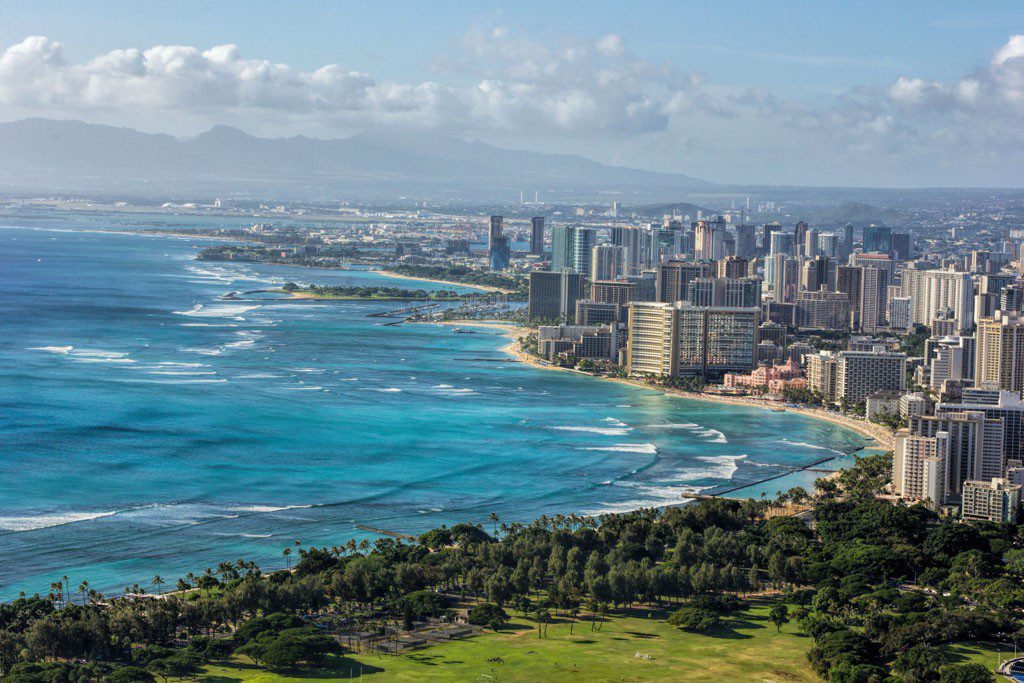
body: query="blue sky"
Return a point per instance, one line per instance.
(797, 92)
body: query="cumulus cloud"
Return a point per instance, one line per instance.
(498, 82)
(519, 86)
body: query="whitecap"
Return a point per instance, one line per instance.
(218, 310)
(34, 522)
(606, 431)
(267, 508)
(64, 350)
(388, 390)
(801, 444)
(645, 448)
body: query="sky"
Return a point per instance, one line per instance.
(904, 94)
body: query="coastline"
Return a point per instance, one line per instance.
(480, 288)
(878, 433)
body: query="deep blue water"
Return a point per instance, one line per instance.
(146, 426)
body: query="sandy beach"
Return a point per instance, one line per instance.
(879, 433)
(480, 288)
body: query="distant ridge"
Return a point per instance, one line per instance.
(72, 155)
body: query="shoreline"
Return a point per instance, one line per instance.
(479, 288)
(878, 433)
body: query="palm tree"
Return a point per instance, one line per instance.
(364, 545)
(493, 517)
(66, 592)
(287, 552)
(158, 581)
(82, 588)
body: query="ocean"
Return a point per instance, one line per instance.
(148, 426)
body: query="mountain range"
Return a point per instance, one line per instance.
(72, 156)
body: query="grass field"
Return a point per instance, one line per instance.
(746, 648)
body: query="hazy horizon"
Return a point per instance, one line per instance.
(878, 96)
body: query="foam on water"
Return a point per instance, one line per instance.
(606, 431)
(647, 448)
(45, 521)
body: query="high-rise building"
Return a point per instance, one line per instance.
(862, 373)
(996, 404)
(1011, 298)
(674, 278)
(746, 242)
(583, 240)
(800, 238)
(877, 239)
(612, 292)
(902, 246)
(874, 287)
(947, 364)
(816, 273)
(847, 240)
(732, 267)
(766, 236)
(494, 231)
(785, 277)
(713, 341)
(823, 310)
(812, 247)
(849, 280)
(651, 347)
(975, 444)
(595, 313)
(999, 359)
(744, 292)
(607, 262)
(500, 253)
(934, 291)
(995, 500)
(631, 239)
(828, 245)
(920, 467)
(561, 247)
(901, 313)
(682, 339)
(553, 295)
(537, 235)
(822, 371)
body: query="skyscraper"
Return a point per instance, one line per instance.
(494, 232)
(583, 240)
(877, 239)
(999, 359)
(631, 239)
(561, 247)
(674, 278)
(607, 262)
(800, 236)
(500, 253)
(553, 295)
(746, 242)
(537, 235)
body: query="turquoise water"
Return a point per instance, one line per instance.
(148, 426)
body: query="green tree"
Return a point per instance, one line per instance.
(966, 673)
(779, 615)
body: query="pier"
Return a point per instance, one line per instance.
(402, 312)
(809, 467)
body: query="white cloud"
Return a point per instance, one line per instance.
(502, 83)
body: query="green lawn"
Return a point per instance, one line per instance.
(985, 654)
(747, 648)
